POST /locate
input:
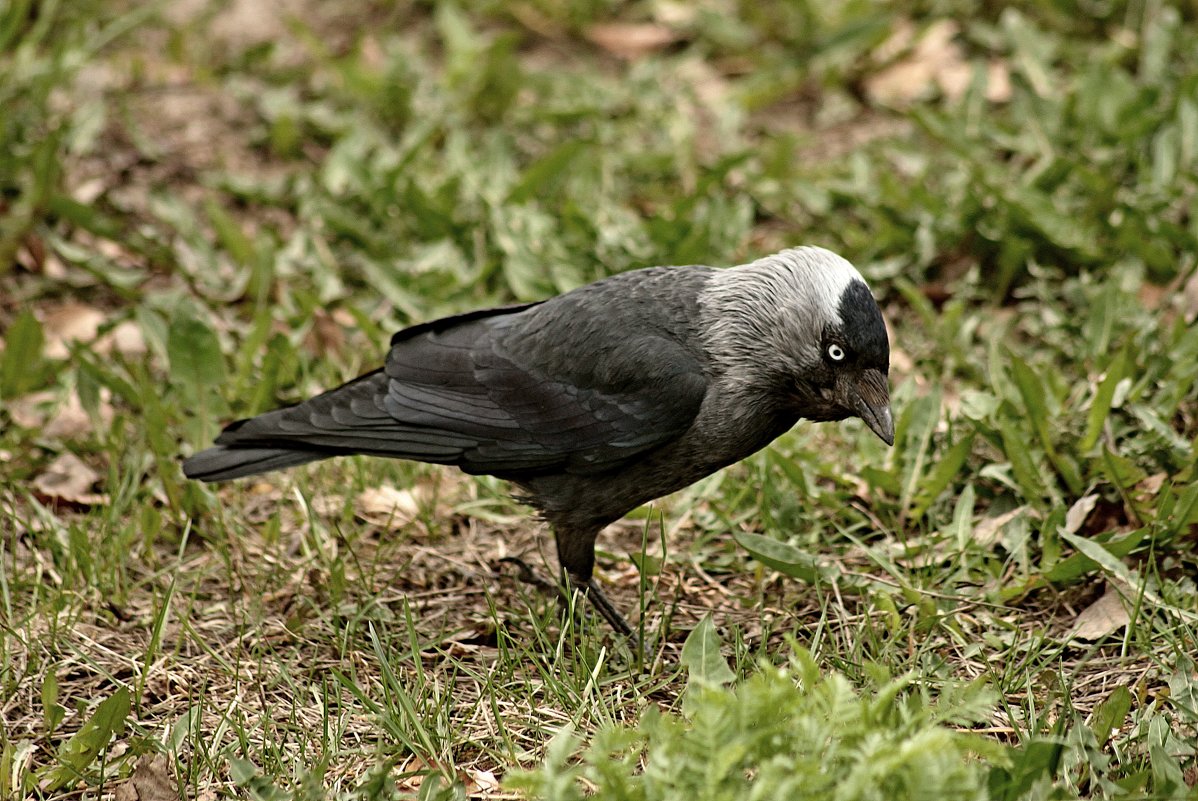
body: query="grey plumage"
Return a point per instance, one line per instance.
(604, 398)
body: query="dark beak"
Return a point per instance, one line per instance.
(867, 395)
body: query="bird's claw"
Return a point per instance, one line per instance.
(587, 588)
(527, 575)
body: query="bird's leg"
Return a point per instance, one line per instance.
(605, 607)
(576, 554)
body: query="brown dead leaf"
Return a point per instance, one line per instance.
(31, 254)
(413, 774)
(989, 530)
(70, 322)
(631, 40)
(902, 363)
(151, 781)
(125, 338)
(936, 61)
(481, 781)
(388, 506)
(416, 770)
(1189, 298)
(70, 420)
(902, 36)
(908, 79)
(63, 420)
(31, 411)
(54, 268)
(1102, 618)
(241, 23)
(69, 479)
(88, 191)
(1075, 518)
(1151, 296)
(998, 81)
(1150, 487)
(325, 505)
(326, 335)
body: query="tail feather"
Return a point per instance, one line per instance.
(351, 418)
(221, 463)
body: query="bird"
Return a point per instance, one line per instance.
(599, 400)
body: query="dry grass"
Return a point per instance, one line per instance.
(241, 645)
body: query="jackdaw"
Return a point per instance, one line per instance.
(604, 398)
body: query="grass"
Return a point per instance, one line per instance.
(208, 212)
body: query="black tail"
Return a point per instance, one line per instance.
(223, 463)
(316, 429)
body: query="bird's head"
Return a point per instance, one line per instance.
(803, 325)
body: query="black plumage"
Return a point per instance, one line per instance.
(604, 398)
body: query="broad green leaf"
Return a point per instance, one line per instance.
(646, 563)
(1037, 209)
(1035, 402)
(962, 525)
(1110, 714)
(242, 771)
(781, 556)
(231, 235)
(942, 474)
(1015, 446)
(793, 470)
(462, 43)
(1113, 565)
(1185, 512)
(978, 405)
(196, 362)
(1034, 49)
(52, 711)
(1165, 145)
(1160, 34)
(20, 370)
(78, 753)
(1037, 759)
(913, 434)
(1187, 124)
(1120, 470)
(701, 656)
(884, 480)
(1164, 430)
(542, 172)
(1031, 390)
(1100, 407)
(245, 775)
(1099, 325)
(1077, 565)
(279, 352)
(1101, 556)
(528, 239)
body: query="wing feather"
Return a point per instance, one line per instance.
(511, 392)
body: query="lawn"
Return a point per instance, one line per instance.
(209, 209)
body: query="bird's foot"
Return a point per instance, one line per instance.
(589, 589)
(526, 574)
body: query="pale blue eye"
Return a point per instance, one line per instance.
(835, 352)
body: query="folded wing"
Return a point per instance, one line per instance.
(491, 393)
